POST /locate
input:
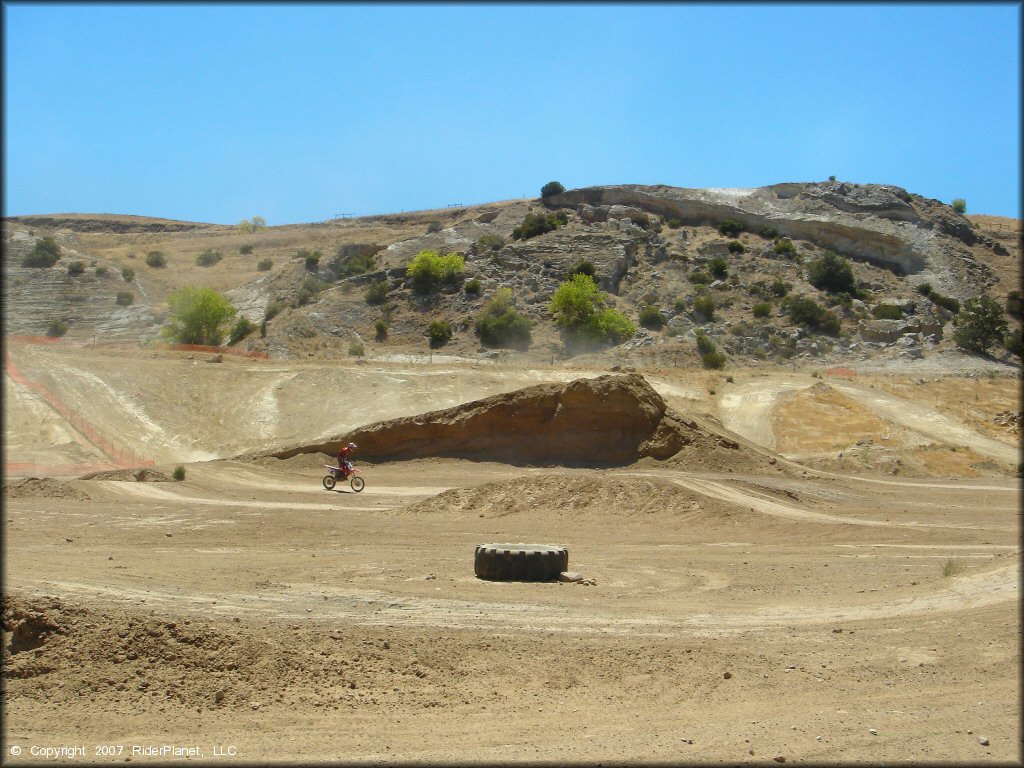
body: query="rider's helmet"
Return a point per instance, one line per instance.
(351, 446)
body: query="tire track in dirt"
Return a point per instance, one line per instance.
(759, 503)
(378, 608)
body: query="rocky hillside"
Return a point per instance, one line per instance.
(649, 246)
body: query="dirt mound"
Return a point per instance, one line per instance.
(611, 420)
(43, 487)
(131, 475)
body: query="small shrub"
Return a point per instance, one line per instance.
(486, 243)
(128, 274)
(102, 271)
(886, 312)
(762, 309)
(273, 310)
(76, 268)
(780, 287)
(729, 378)
(538, 224)
(699, 277)
(208, 258)
(959, 205)
(242, 328)
(952, 568)
(179, 473)
(1014, 304)
(674, 223)
(714, 360)
(946, 302)
(377, 293)
(57, 329)
(808, 313)
(499, 325)
(1014, 343)
(704, 308)
(350, 260)
(730, 228)
(924, 289)
(735, 246)
(311, 259)
(434, 226)
(784, 247)
(769, 233)
(679, 305)
(582, 267)
(156, 259)
(472, 287)
(381, 330)
(439, 332)
(551, 188)
(246, 249)
(719, 268)
(265, 265)
(125, 298)
(650, 317)
(356, 348)
(45, 253)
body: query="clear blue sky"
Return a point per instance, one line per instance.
(216, 113)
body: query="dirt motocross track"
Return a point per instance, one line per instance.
(860, 606)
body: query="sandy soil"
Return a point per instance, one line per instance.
(832, 612)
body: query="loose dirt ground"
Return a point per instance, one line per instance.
(835, 612)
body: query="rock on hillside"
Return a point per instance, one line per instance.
(882, 224)
(605, 421)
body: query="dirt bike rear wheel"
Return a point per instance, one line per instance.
(329, 482)
(357, 483)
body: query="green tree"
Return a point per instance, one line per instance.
(980, 324)
(651, 317)
(552, 188)
(832, 273)
(500, 325)
(253, 225)
(440, 333)
(808, 313)
(580, 311)
(198, 316)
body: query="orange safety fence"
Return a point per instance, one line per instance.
(122, 457)
(841, 372)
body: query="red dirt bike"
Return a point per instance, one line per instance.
(334, 474)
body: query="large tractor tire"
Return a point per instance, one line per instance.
(520, 562)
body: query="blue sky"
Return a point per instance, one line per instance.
(215, 113)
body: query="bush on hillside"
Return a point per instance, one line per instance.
(428, 269)
(784, 247)
(539, 223)
(242, 328)
(719, 268)
(500, 325)
(128, 274)
(651, 317)
(580, 311)
(832, 273)
(959, 205)
(735, 246)
(704, 308)
(730, 228)
(265, 265)
(886, 312)
(762, 309)
(76, 268)
(125, 298)
(439, 332)
(56, 329)
(246, 249)
(486, 244)
(472, 287)
(377, 293)
(156, 259)
(808, 313)
(44, 254)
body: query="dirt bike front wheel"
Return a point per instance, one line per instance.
(357, 483)
(329, 482)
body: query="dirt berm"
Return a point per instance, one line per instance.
(611, 420)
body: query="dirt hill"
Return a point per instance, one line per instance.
(611, 420)
(649, 246)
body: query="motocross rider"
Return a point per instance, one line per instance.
(343, 458)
